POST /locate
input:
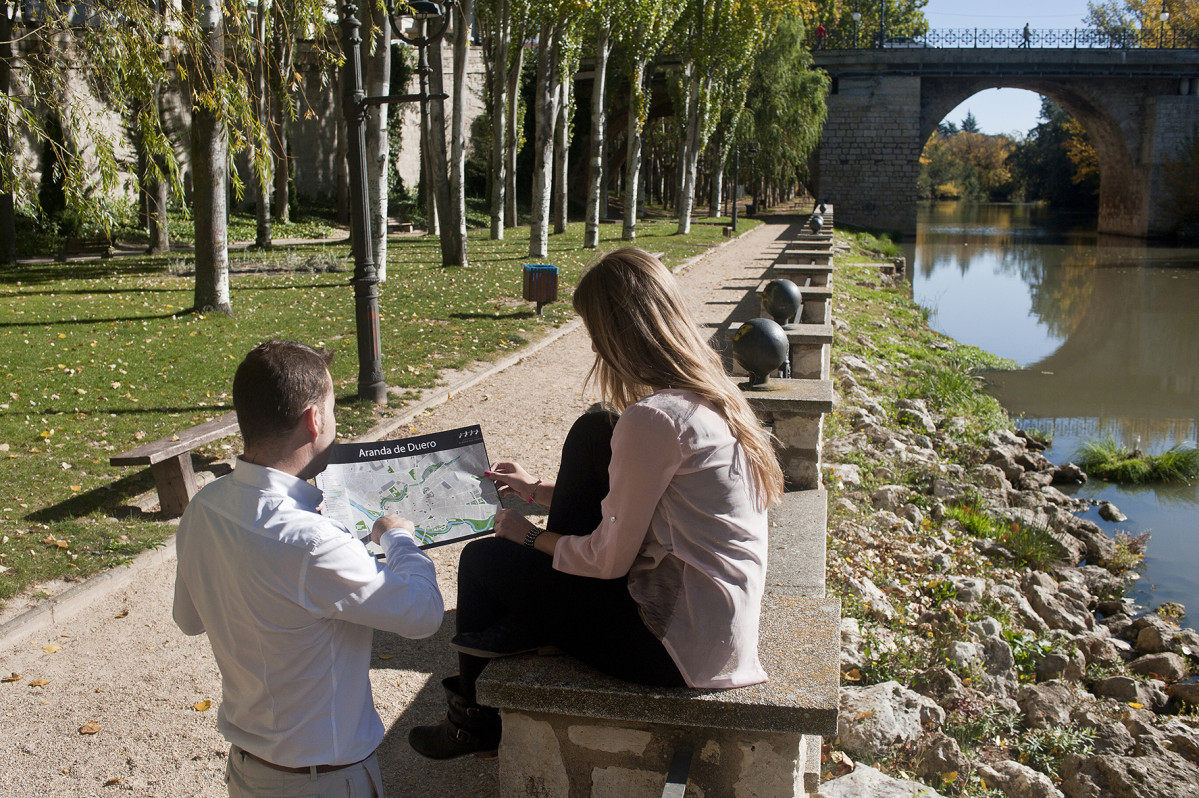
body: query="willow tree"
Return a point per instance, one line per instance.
(785, 106)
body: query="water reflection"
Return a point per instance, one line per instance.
(1106, 331)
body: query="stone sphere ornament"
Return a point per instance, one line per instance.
(760, 347)
(816, 223)
(782, 300)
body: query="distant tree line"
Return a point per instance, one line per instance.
(1053, 163)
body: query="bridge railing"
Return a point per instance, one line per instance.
(1056, 38)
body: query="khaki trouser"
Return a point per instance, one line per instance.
(247, 778)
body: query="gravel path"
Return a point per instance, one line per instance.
(119, 663)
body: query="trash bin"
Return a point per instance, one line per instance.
(540, 284)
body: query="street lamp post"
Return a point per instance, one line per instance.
(857, 19)
(371, 384)
(882, 22)
(1163, 16)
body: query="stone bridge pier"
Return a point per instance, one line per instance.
(1139, 108)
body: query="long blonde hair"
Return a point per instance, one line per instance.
(646, 339)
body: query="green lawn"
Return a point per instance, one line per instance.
(99, 356)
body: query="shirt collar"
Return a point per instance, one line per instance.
(272, 480)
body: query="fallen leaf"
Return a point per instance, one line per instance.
(387, 656)
(122, 614)
(113, 781)
(950, 777)
(869, 713)
(91, 727)
(39, 682)
(1136, 705)
(12, 677)
(853, 675)
(202, 706)
(50, 648)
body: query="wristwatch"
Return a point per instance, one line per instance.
(531, 536)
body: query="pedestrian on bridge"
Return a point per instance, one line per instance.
(1026, 36)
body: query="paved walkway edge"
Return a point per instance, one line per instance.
(76, 598)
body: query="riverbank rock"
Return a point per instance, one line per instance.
(1110, 512)
(1018, 781)
(884, 715)
(1166, 776)
(866, 781)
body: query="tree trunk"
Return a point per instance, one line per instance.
(689, 157)
(283, 56)
(596, 185)
(210, 173)
(499, 84)
(561, 157)
(377, 73)
(439, 165)
(462, 15)
(633, 152)
(512, 149)
(260, 155)
(157, 192)
(8, 218)
(545, 96)
(716, 183)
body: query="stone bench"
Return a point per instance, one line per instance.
(794, 410)
(170, 460)
(814, 257)
(810, 274)
(571, 732)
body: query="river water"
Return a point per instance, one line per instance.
(1105, 331)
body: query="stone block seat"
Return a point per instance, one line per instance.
(811, 274)
(572, 732)
(810, 256)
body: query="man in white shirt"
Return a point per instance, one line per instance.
(289, 598)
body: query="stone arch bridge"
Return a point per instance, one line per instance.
(1137, 105)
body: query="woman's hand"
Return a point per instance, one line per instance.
(511, 525)
(386, 522)
(512, 479)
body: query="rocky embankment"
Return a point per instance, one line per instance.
(987, 648)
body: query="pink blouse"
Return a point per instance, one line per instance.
(682, 521)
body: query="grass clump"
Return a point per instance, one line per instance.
(1106, 459)
(1032, 545)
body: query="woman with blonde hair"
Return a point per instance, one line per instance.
(652, 563)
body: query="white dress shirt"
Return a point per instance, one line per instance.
(681, 518)
(289, 599)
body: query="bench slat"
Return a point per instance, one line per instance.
(188, 439)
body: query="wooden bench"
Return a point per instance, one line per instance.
(74, 245)
(572, 731)
(171, 463)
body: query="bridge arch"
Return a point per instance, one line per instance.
(1136, 106)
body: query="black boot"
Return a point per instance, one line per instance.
(466, 729)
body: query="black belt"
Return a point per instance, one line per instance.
(308, 769)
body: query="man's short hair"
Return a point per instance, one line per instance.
(273, 386)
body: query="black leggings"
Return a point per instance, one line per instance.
(594, 620)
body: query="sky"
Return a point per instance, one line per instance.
(1003, 110)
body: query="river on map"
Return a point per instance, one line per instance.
(1105, 331)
